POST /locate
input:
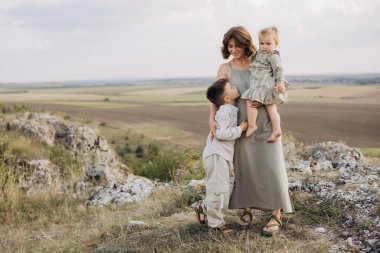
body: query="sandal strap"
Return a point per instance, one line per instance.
(246, 213)
(276, 218)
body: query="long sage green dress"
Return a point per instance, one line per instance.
(261, 181)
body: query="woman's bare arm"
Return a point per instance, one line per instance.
(212, 122)
(224, 71)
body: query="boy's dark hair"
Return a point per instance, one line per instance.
(216, 91)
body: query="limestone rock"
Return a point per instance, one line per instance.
(36, 176)
(133, 189)
(135, 226)
(339, 155)
(320, 230)
(197, 183)
(303, 167)
(82, 141)
(295, 184)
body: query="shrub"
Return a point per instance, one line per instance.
(168, 164)
(14, 109)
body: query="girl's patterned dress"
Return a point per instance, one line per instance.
(265, 72)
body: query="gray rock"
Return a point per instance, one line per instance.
(98, 174)
(338, 154)
(36, 176)
(196, 183)
(316, 185)
(303, 167)
(295, 184)
(320, 230)
(133, 189)
(32, 129)
(135, 226)
(324, 165)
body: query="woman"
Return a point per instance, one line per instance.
(261, 181)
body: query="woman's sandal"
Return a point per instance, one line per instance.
(246, 223)
(199, 213)
(267, 233)
(224, 230)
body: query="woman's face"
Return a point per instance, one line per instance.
(236, 51)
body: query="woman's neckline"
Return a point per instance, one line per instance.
(234, 68)
(240, 69)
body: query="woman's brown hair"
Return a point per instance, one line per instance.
(242, 38)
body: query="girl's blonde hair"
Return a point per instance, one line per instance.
(272, 30)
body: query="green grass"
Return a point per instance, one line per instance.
(160, 133)
(316, 213)
(370, 152)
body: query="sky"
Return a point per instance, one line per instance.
(63, 40)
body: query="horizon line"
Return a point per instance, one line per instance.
(172, 78)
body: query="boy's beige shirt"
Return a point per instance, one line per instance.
(226, 133)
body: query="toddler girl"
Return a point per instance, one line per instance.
(266, 77)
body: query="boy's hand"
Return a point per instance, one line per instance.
(244, 125)
(280, 87)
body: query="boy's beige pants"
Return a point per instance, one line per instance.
(219, 184)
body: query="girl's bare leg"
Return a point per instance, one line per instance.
(275, 119)
(252, 116)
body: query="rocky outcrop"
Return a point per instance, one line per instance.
(102, 178)
(338, 175)
(81, 140)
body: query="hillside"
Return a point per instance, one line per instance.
(65, 189)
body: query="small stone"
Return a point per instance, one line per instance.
(196, 183)
(295, 184)
(303, 167)
(372, 241)
(135, 225)
(320, 230)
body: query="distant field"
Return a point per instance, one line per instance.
(178, 113)
(175, 93)
(94, 104)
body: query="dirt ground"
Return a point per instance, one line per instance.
(309, 122)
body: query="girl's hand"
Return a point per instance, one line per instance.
(280, 87)
(213, 127)
(255, 104)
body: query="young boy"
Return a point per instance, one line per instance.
(218, 155)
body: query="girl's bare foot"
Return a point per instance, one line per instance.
(274, 136)
(250, 130)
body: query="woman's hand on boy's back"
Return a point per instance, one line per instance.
(213, 126)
